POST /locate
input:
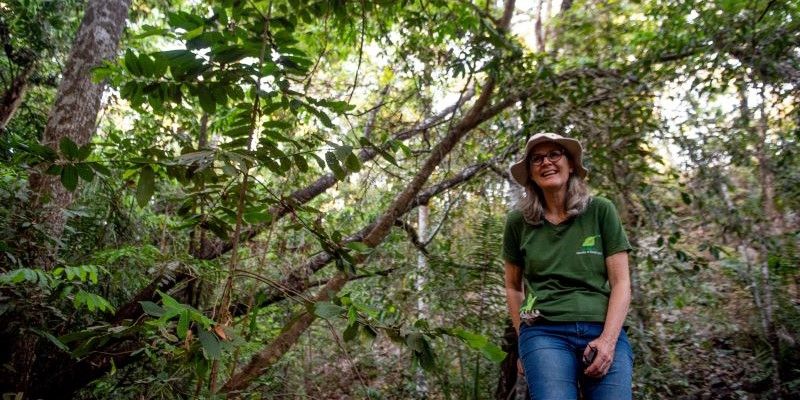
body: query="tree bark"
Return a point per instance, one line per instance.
(73, 116)
(423, 212)
(773, 228)
(75, 111)
(12, 98)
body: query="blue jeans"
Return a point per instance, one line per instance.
(551, 354)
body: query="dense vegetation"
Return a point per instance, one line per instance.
(304, 198)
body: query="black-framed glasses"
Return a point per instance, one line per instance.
(552, 155)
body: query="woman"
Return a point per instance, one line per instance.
(571, 252)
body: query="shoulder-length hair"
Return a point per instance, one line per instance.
(531, 203)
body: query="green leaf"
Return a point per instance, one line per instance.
(92, 302)
(69, 177)
(352, 163)
(327, 310)
(183, 324)
(169, 302)
(85, 172)
(147, 66)
(422, 350)
(333, 164)
(320, 161)
(472, 340)
(239, 131)
(128, 91)
(350, 333)
(479, 342)
(338, 106)
(256, 217)
(387, 156)
(146, 186)
(61, 346)
(100, 168)
(300, 162)
(193, 33)
(277, 124)
(321, 116)
(343, 151)
(53, 169)
(68, 148)
(84, 152)
(207, 102)
(210, 343)
(493, 353)
(368, 332)
(159, 67)
(132, 63)
(352, 315)
(182, 19)
(152, 309)
(687, 199)
(228, 54)
(414, 341)
(360, 247)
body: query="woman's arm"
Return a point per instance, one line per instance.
(514, 293)
(618, 302)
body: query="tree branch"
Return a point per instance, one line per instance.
(288, 337)
(298, 281)
(306, 194)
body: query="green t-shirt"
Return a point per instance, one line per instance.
(565, 263)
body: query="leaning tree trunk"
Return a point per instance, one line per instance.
(73, 116)
(401, 204)
(76, 108)
(12, 98)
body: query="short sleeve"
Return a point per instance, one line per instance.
(511, 239)
(613, 235)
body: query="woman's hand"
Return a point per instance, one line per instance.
(520, 369)
(603, 359)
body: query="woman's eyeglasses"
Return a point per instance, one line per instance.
(552, 155)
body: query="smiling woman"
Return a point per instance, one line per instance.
(571, 250)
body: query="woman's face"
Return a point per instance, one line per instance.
(547, 174)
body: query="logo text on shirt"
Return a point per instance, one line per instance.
(588, 246)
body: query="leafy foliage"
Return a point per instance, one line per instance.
(247, 145)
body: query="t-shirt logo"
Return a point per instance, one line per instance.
(589, 246)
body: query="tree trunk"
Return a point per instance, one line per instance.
(419, 284)
(75, 111)
(12, 98)
(511, 382)
(73, 116)
(774, 227)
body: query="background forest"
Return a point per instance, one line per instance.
(271, 199)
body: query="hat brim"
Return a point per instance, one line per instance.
(520, 172)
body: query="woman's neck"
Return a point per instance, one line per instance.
(555, 210)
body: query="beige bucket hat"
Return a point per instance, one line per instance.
(520, 170)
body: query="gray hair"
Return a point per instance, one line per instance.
(531, 204)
